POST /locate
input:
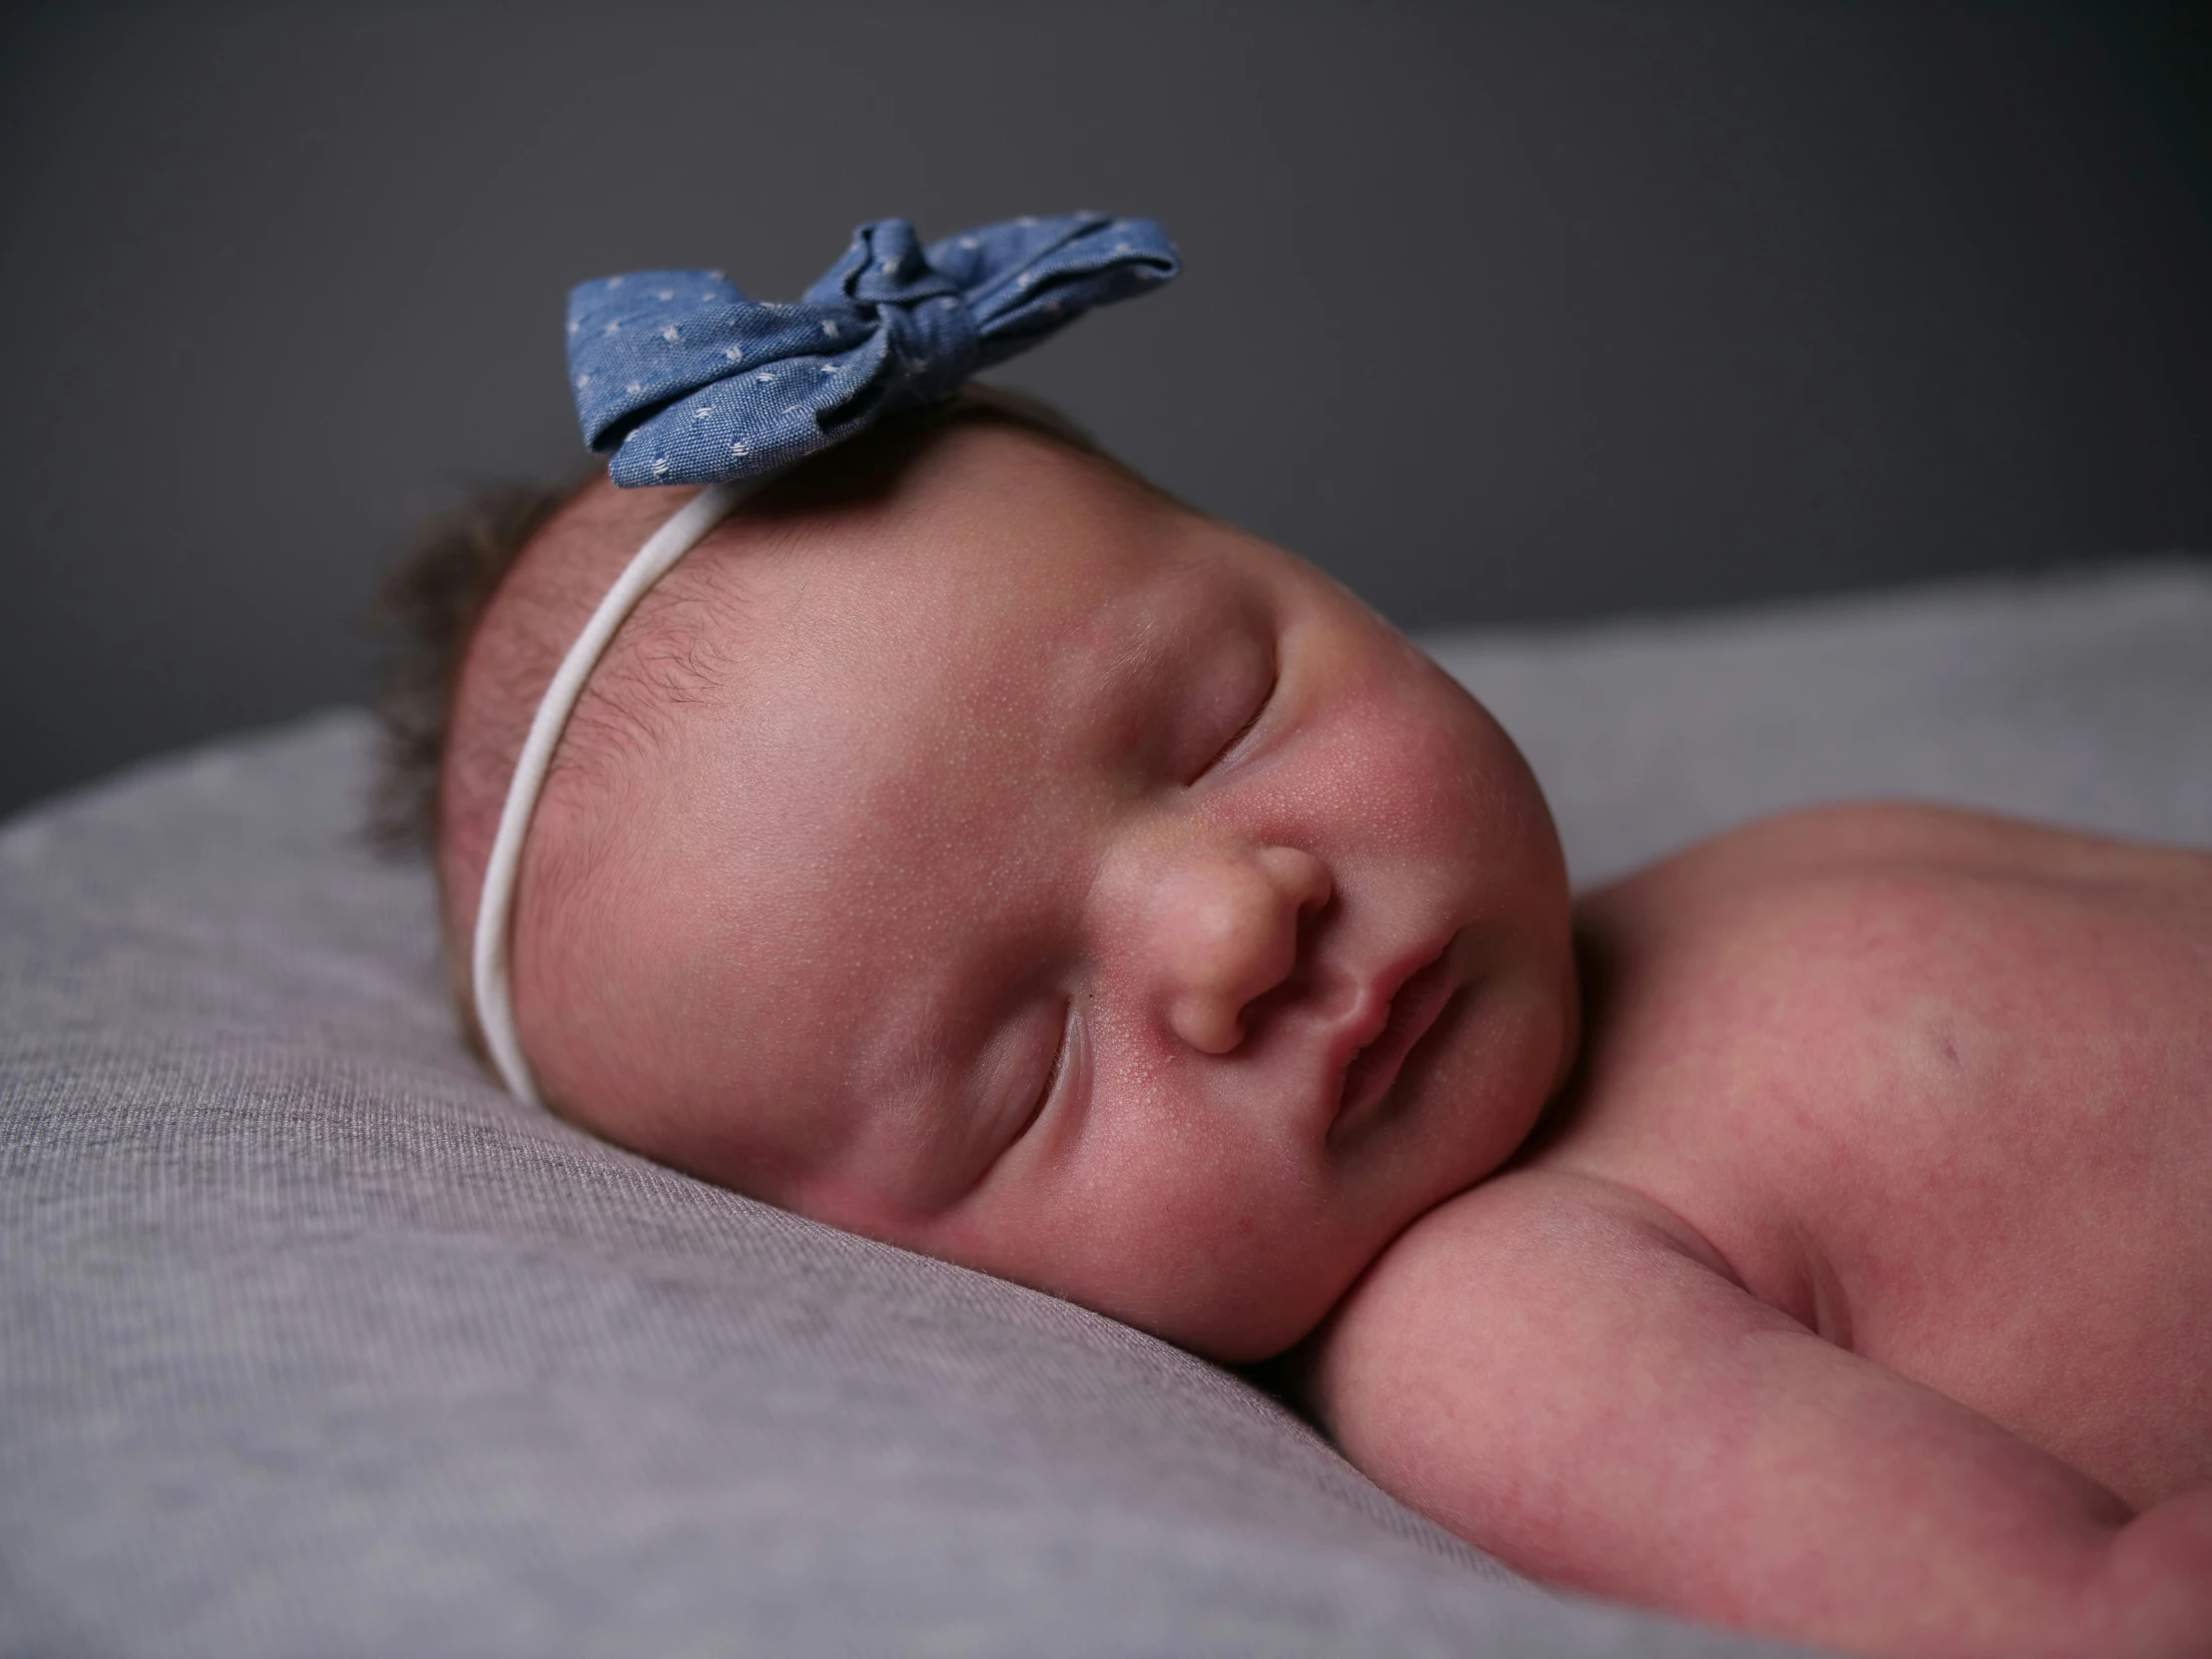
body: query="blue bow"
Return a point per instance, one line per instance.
(689, 382)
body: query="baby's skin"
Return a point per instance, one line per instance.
(1859, 1287)
(1810, 1234)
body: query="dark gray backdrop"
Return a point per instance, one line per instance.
(1497, 310)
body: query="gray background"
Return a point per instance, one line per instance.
(1499, 312)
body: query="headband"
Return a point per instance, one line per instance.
(687, 382)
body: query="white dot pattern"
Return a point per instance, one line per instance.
(689, 381)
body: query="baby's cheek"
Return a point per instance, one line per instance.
(1208, 1236)
(1403, 779)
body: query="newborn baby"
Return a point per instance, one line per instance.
(970, 847)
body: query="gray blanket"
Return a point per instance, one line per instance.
(317, 1343)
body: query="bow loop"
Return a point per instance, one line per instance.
(689, 382)
(884, 265)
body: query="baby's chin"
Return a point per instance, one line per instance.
(1247, 1271)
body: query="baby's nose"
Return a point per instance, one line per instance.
(1228, 932)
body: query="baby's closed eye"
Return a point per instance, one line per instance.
(1022, 1072)
(1230, 693)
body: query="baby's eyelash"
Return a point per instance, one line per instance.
(1275, 679)
(1062, 1057)
(1052, 1074)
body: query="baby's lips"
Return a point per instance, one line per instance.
(1393, 1025)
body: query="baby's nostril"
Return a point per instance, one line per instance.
(1312, 916)
(1210, 1024)
(1298, 876)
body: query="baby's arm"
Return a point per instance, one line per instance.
(1560, 1373)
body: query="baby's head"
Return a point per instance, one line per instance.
(968, 846)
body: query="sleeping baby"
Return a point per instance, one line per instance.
(907, 814)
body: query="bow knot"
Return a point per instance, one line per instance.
(931, 334)
(688, 382)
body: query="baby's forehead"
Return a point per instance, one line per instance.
(1007, 562)
(973, 657)
(912, 678)
(924, 571)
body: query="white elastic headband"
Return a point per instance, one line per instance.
(488, 961)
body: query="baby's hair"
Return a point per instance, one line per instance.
(428, 608)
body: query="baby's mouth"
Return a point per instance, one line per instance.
(1413, 1009)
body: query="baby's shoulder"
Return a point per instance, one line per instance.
(1814, 851)
(1877, 896)
(1836, 957)
(1794, 1027)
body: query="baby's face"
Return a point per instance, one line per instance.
(1059, 883)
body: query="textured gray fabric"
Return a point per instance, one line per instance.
(2083, 699)
(315, 1344)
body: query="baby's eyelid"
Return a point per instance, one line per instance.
(1055, 1080)
(1251, 720)
(1055, 1072)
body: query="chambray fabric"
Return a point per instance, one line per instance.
(688, 382)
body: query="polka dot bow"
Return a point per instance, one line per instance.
(688, 382)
